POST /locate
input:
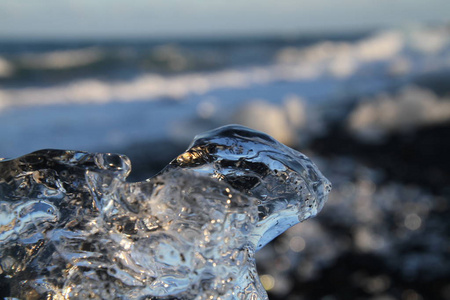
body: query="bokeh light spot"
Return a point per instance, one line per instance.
(297, 244)
(413, 222)
(267, 281)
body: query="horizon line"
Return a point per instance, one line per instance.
(197, 36)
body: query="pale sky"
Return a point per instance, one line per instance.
(183, 18)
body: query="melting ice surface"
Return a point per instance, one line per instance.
(71, 227)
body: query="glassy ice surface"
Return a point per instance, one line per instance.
(71, 227)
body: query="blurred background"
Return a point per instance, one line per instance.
(362, 87)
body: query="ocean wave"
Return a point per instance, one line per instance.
(397, 52)
(63, 63)
(6, 69)
(412, 107)
(385, 55)
(61, 59)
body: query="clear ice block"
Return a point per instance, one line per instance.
(71, 227)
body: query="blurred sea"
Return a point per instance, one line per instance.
(74, 92)
(103, 95)
(372, 109)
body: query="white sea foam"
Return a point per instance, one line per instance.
(6, 69)
(423, 48)
(62, 59)
(282, 122)
(412, 107)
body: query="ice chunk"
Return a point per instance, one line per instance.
(71, 227)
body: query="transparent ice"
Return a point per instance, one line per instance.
(71, 227)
